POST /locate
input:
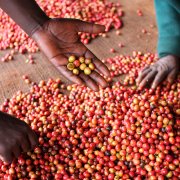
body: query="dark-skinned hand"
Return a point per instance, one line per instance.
(15, 137)
(165, 68)
(58, 39)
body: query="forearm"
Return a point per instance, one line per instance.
(26, 13)
(168, 15)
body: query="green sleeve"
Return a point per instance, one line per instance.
(168, 22)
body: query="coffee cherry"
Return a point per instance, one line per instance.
(82, 67)
(12, 35)
(118, 132)
(76, 63)
(91, 66)
(87, 71)
(70, 66)
(87, 61)
(75, 71)
(81, 59)
(71, 59)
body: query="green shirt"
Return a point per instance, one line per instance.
(168, 21)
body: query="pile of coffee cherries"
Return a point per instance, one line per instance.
(117, 133)
(130, 65)
(101, 12)
(81, 64)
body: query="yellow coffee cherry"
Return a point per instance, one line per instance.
(70, 66)
(87, 71)
(91, 66)
(82, 67)
(75, 71)
(81, 59)
(71, 59)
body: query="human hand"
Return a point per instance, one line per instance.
(59, 39)
(165, 68)
(15, 137)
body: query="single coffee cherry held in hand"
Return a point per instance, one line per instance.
(70, 66)
(87, 61)
(77, 63)
(75, 71)
(91, 66)
(87, 71)
(81, 59)
(71, 59)
(82, 67)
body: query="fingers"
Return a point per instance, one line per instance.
(68, 74)
(25, 145)
(172, 76)
(75, 79)
(60, 61)
(143, 73)
(32, 138)
(101, 67)
(82, 50)
(16, 151)
(87, 27)
(159, 78)
(89, 82)
(10, 152)
(27, 138)
(148, 78)
(98, 79)
(7, 157)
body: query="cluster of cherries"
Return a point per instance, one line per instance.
(101, 12)
(119, 132)
(81, 64)
(129, 65)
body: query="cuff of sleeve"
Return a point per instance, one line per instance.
(169, 45)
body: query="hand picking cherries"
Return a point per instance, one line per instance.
(82, 64)
(116, 133)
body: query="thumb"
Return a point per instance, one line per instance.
(87, 27)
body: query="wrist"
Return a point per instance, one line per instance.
(39, 25)
(39, 31)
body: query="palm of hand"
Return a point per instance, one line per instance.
(59, 39)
